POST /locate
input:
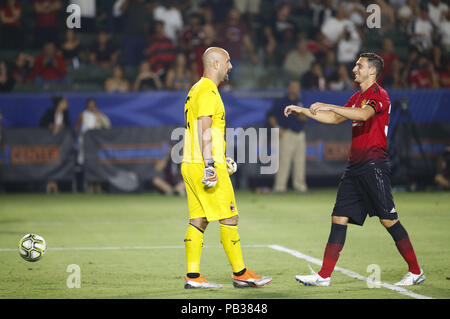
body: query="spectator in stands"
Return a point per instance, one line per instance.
(217, 10)
(334, 27)
(387, 15)
(22, 69)
(298, 61)
(340, 80)
(208, 36)
(88, 13)
(173, 20)
(405, 14)
(46, 21)
(318, 46)
(356, 12)
(11, 30)
(179, 77)
(191, 36)
(160, 51)
(314, 79)
(168, 177)
(117, 83)
(6, 80)
(55, 119)
(388, 55)
(103, 54)
(396, 80)
(249, 8)
(424, 76)
(292, 141)
(348, 47)
(443, 31)
(436, 10)
(442, 177)
(233, 37)
(330, 65)
(71, 49)
(275, 31)
(90, 119)
(136, 21)
(147, 80)
(117, 17)
(49, 66)
(321, 11)
(422, 32)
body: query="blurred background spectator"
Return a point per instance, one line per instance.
(56, 118)
(298, 61)
(72, 50)
(179, 77)
(47, 19)
(49, 66)
(103, 53)
(90, 119)
(12, 31)
(160, 51)
(172, 18)
(147, 80)
(117, 83)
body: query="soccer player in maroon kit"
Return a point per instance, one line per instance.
(365, 187)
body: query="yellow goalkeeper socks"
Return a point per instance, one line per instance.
(193, 245)
(231, 243)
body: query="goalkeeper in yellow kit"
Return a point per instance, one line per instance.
(206, 172)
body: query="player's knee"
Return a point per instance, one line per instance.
(201, 223)
(388, 222)
(230, 221)
(341, 220)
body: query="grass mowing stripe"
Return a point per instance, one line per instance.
(347, 272)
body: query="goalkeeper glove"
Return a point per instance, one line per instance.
(231, 166)
(210, 178)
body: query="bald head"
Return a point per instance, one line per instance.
(216, 64)
(213, 55)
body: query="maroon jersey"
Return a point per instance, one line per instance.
(369, 137)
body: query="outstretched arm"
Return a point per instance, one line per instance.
(320, 116)
(351, 113)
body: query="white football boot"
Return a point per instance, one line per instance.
(314, 279)
(411, 279)
(199, 282)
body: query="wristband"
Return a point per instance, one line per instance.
(209, 162)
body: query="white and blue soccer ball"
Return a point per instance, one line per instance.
(32, 247)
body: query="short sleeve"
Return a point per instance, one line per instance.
(377, 101)
(207, 102)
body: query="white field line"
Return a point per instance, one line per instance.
(129, 247)
(347, 272)
(292, 252)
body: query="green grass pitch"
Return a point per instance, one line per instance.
(133, 246)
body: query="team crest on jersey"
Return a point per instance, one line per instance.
(232, 208)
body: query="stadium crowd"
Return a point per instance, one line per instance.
(140, 45)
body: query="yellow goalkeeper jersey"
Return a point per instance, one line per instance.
(204, 100)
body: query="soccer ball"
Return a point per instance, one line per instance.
(32, 247)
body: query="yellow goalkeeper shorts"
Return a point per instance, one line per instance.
(214, 203)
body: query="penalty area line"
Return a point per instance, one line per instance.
(347, 272)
